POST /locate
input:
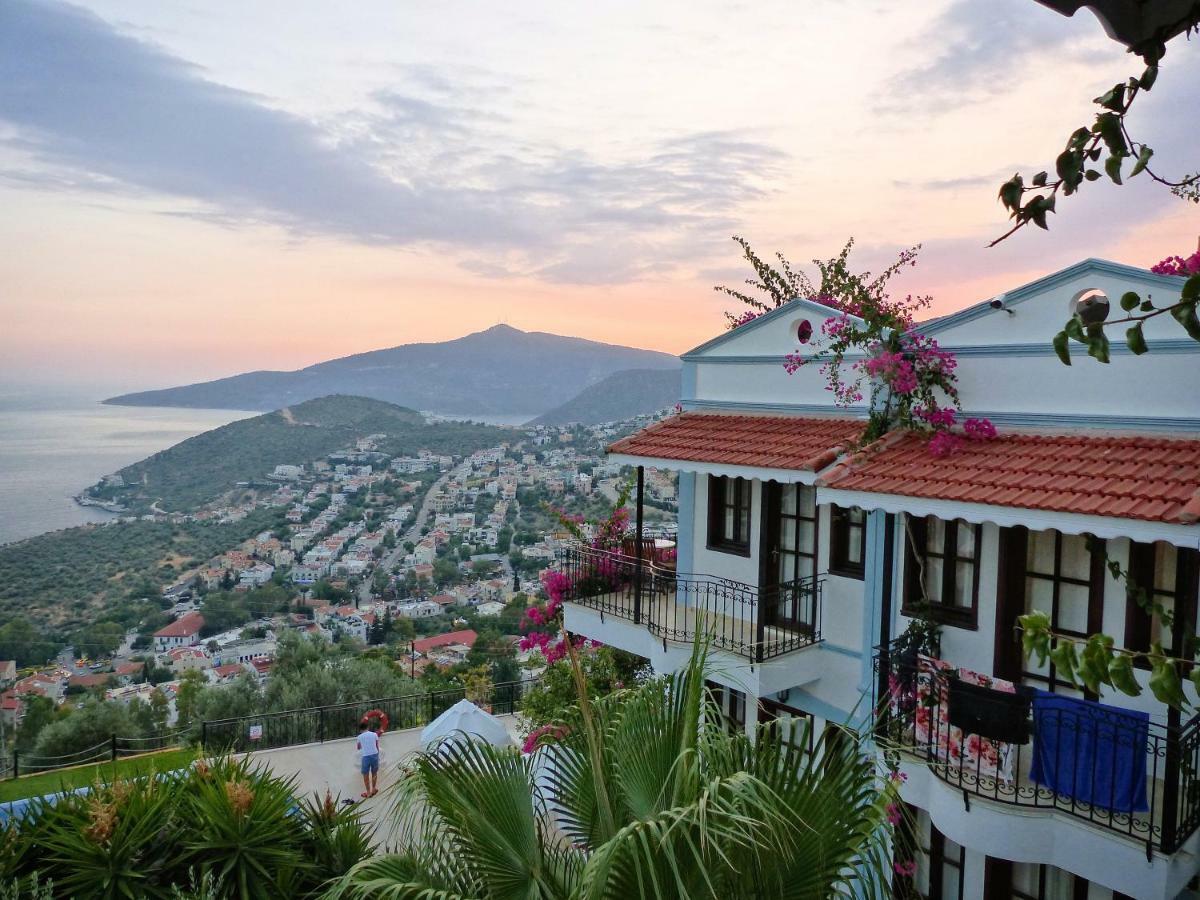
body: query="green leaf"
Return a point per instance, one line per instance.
(1191, 288)
(1062, 348)
(1129, 300)
(1097, 344)
(1035, 634)
(1146, 306)
(1112, 166)
(1039, 180)
(1164, 679)
(1010, 192)
(1064, 659)
(1185, 315)
(1074, 330)
(1148, 78)
(1120, 672)
(1142, 160)
(1092, 175)
(1114, 99)
(1094, 661)
(1135, 340)
(1079, 137)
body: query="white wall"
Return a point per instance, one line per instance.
(715, 562)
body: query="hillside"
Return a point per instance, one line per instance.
(205, 466)
(621, 395)
(500, 371)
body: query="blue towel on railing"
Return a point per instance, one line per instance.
(1093, 753)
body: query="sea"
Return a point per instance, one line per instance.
(56, 441)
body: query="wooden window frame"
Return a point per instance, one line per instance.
(1142, 572)
(840, 529)
(737, 544)
(1095, 585)
(943, 609)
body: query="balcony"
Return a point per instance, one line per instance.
(734, 617)
(1103, 786)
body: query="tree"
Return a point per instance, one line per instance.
(188, 698)
(222, 611)
(39, 712)
(649, 796)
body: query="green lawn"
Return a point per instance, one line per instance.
(80, 776)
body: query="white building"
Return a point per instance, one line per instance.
(257, 575)
(824, 559)
(287, 473)
(421, 609)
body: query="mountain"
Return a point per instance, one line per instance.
(208, 465)
(621, 395)
(500, 371)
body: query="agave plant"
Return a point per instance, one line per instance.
(644, 794)
(112, 842)
(240, 826)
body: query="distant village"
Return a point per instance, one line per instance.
(436, 549)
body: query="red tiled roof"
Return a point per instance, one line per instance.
(776, 442)
(1130, 477)
(182, 627)
(424, 645)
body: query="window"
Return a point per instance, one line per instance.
(941, 863)
(729, 514)
(1167, 575)
(1063, 577)
(847, 541)
(942, 571)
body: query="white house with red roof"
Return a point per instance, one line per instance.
(184, 659)
(183, 632)
(805, 559)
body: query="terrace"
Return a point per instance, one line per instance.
(638, 586)
(1124, 775)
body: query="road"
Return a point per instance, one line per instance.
(389, 559)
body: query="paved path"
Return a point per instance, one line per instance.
(333, 766)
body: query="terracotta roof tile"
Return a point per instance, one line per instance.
(776, 442)
(1132, 477)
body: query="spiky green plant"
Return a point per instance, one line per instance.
(649, 796)
(239, 824)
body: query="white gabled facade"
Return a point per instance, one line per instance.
(998, 840)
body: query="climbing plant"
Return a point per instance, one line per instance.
(869, 343)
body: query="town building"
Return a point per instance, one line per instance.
(183, 632)
(805, 561)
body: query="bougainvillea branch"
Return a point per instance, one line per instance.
(871, 343)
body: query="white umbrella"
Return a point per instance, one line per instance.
(467, 718)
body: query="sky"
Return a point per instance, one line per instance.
(190, 190)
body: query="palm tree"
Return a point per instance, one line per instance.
(646, 795)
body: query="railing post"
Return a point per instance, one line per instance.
(16, 762)
(637, 575)
(321, 724)
(882, 700)
(203, 734)
(760, 627)
(113, 747)
(1170, 797)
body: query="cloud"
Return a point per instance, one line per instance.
(91, 105)
(975, 50)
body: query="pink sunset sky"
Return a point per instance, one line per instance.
(191, 190)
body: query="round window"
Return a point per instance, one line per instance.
(804, 331)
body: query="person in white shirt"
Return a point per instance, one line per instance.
(368, 748)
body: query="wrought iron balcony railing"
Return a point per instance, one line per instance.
(733, 616)
(1127, 775)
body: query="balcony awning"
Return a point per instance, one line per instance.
(1145, 488)
(776, 448)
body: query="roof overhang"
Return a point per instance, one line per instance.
(783, 476)
(1007, 516)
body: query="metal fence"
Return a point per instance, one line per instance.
(328, 723)
(1160, 807)
(268, 730)
(111, 749)
(734, 616)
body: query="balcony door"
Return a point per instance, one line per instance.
(789, 554)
